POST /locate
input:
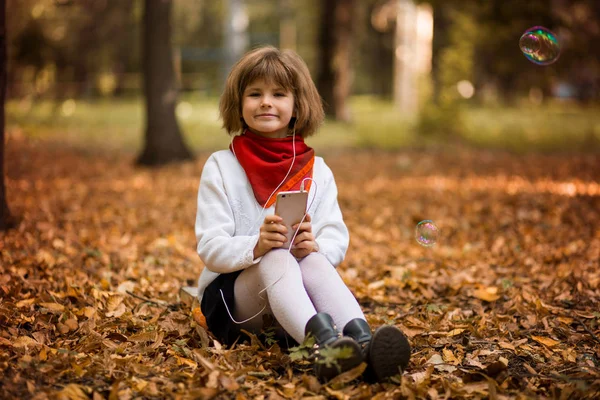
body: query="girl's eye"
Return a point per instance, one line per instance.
(254, 95)
(280, 94)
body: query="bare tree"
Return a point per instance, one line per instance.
(163, 139)
(235, 34)
(335, 46)
(5, 218)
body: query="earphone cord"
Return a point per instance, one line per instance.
(260, 215)
(282, 181)
(287, 260)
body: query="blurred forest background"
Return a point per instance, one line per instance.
(393, 73)
(434, 113)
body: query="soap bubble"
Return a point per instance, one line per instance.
(539, 45)
(426, 233)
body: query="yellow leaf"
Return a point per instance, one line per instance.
(545, 341)
(144, 337)
(44, 257)
(25, 342)
(455, 332)
(337, 394)
(487, 294)
(72, 392)
(25, 303)
(113, 303)
(139, 384)
(120, 310)
(62, 328)
(449, 357)
(54, 307)
(72, 324)
(565, 320)
(43, 356)
(89, 312)
(506, 345)
(376, 285)
(186, 361)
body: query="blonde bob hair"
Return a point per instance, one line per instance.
(272, 65)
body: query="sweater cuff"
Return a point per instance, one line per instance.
(253, 242)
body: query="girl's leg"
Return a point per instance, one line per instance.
(327, 290)
(284, 297)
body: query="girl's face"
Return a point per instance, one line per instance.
(267, 109)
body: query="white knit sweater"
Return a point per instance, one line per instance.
(229, 218)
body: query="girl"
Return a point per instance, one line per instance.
(269, 105)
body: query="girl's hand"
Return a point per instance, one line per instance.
(304, 244)
(272, 235)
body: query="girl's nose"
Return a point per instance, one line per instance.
(266, 102)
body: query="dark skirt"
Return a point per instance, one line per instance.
(220, 324)
(217, 319)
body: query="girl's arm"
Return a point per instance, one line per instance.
(219, 249)
(331, 233)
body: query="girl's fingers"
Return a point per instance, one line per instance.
(275, 227)
(304, 237)
(304, 227)
(274, 236)
(306, 245)
(269, 219)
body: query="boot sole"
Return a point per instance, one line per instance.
(389, 352)
(327, 373)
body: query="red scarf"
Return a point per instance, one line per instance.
(266, 162)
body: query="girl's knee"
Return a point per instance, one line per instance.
(316, 264)
(317, 258)
(276, 256)
(277, 260)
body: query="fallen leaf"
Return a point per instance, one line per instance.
(545, 341)
(487, 294)
(72, 392)
(25, 342)
(439, 364)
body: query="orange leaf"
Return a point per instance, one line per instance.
(199, 317)
(545, 341)
(487, 294)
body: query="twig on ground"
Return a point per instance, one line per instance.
(588, 330)
(155, 302)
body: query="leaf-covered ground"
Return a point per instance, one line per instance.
(505, 305)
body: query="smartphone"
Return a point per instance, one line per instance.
(291, 206)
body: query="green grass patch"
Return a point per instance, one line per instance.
(550, 128)
(118, 124)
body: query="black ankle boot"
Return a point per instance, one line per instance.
(386, 352)
(322, 328)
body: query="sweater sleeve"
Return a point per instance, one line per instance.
(331, 233)
(219, 249)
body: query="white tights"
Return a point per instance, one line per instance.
(308, 286)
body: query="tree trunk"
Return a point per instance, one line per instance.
(335, 48)
(163, 140)
(5, 218)
(235, 35)
(405, 74)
